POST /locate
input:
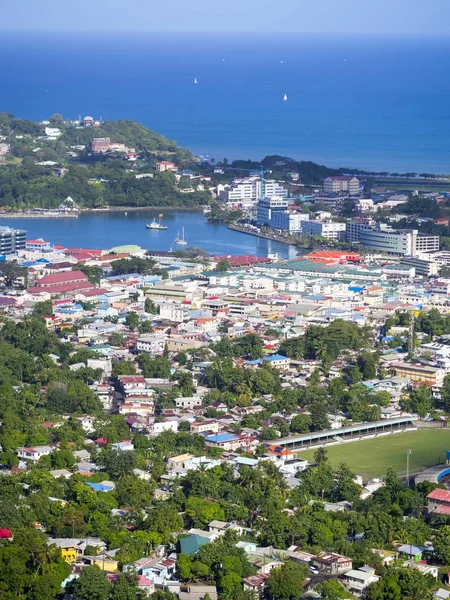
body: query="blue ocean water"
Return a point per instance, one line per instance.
(380, 103)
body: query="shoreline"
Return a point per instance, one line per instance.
(90, 211)
(265, 236)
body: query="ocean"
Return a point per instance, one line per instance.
(109, 229)
(365, 102)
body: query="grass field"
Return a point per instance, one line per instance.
(371, 458)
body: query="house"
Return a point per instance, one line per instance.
(255, 583)
(193, 542)
(439, 502)
(221, 527)
(356, 581)
(123, 446)
(188, 402)
(202, 426)
(413, 552)
(198, 591)
(330, 563)
(35, 453)
(161, 570)
(226, 441)
(146, 584)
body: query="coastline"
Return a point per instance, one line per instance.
(113, 209)
(266, 236)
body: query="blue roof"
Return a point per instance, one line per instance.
(99, 487)
(275, 357)
(221, 437)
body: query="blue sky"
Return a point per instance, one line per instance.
(259, 16)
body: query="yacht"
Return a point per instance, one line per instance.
(285, 97)
(156, 224)
(181, 241)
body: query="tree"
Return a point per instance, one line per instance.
(442, 544)
(94, 274)
(223, 265)
(119, 463)
(11, 271)
(125, 588)
(92, 584)
(116, 339)
(132, 320)
(150, 307)
(286, 582)
(123, 367)
(319, 416)
(332, 590)
(146, 327)
(43, 309)
(320, 455)
(301, 423)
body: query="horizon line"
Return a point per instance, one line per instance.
(231, 33)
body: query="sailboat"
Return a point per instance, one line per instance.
(195, 80)
(285, 97)
(180, 241)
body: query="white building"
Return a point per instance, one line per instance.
(357, 581)
(153, 344)
(249, 188)
(326, 229)
(34, 453)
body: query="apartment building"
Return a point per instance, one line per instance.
(153, 344)
(100, 145)
(341, 184)
(326, 229)
(249, 188)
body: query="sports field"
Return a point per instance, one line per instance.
(371, 458)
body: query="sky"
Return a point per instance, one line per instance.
(254, 16)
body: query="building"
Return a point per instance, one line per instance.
(249, 188)
(39, 245)
(407, 242)
(423, 266)
(354, 227)
(326, 229)
(364, 205)
(60, 283)
(330, 563)
(341, 184)
(35, 453)
(100, 145)
(418, 372)
(356, 581)
(153, 344)
(288, 221)
(267, 207)
(166, 165)
(11, 240)
(439, 502)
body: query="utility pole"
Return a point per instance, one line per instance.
(408, 452)
(411, 347)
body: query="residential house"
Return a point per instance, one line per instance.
(357, 581)
(331, 563)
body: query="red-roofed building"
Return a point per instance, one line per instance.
(439, 502)
(38, 245)
(62, 283)
(6, 534)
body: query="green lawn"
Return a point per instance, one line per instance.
(372, 457)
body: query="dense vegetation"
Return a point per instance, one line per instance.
(25, 184)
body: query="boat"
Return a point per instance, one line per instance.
(285, 97)
(180, 241)
(156, 224)
(206, 210)
(195, 80)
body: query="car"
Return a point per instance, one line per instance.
(313, 570)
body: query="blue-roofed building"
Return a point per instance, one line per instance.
(226, 441)
(192, 543)
(101, 487)
(278, 361)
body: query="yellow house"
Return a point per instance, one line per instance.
(69, 554)
(103, 562)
